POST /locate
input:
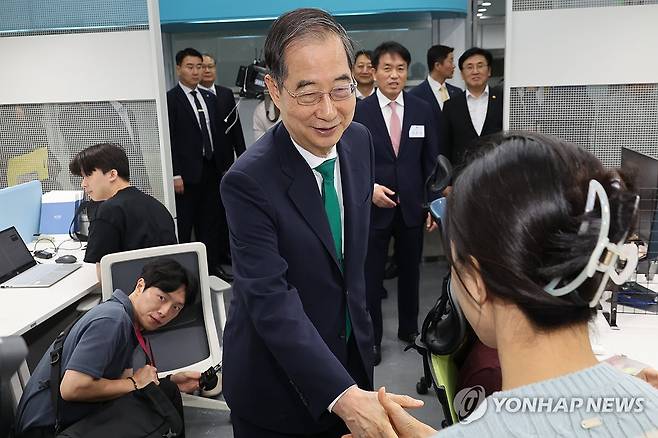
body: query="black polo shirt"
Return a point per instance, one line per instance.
(129, 220)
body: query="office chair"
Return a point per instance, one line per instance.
(190, 342)
(12, 353)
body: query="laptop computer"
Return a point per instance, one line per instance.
(19, 269)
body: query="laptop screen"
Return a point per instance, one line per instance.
(14, 255)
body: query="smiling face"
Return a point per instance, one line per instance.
(153, 308)
(476, 71)
(391, 74)
(314, 65)
(362, 70)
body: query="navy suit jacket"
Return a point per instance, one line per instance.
(285, 352)
(460, 134)
(424, 91)
(407, 173)
(233, 141)
(185, 135)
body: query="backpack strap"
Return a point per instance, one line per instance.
(56, 373)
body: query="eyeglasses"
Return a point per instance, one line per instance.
(207, 67)
(473, 67)
(336, 94)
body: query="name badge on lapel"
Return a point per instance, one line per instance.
(417, 131)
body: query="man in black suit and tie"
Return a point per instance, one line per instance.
(435, 90)
(406, 147)
(197, 158)
(229, 136)
(474, 113)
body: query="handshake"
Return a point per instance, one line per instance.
(379, 414)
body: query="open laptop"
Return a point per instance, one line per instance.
(19, 269)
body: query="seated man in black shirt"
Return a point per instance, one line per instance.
(128, 218)
(96, 360)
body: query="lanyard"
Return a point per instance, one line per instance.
(145, 346)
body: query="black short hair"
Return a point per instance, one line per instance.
(187, 52)
(168, 275)
(102, 156)
(437, 53)
(475, 51)
(367, 53)
(298, 25)
(532, 190)
(391, 47)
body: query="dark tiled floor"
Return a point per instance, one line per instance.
(398, 372)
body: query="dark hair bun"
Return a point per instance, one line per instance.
(532, 190)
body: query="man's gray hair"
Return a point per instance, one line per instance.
(295, 26)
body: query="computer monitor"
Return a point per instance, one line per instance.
(644, 171)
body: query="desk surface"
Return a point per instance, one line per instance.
(25, 308)
(634, 337)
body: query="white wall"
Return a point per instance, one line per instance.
(452, 32)
(608, 45)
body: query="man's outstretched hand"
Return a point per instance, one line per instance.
(364, 415)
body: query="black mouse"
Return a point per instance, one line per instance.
(68, 258)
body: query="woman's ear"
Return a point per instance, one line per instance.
(479, 291)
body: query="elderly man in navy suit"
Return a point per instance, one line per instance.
(297, 201)
(406, 147)
(435, 90)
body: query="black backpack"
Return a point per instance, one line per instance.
(154, 411)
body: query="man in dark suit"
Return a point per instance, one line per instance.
(474, 113)
(362, 71)
(406, 147)
(197, 157)
(435, 90)
(229, 136)
(297, 206)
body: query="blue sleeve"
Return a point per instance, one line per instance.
(100, 347)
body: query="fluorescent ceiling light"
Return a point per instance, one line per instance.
(479, 14)
(486, 4)
(482, 10)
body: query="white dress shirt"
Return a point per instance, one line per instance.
(386, 110)
(190, 98)
(436, 86)
(211, 89)
(360, 95)
(477, 108)
(314, 161)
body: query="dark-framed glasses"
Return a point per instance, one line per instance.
(307, 98)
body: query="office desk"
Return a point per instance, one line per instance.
(634, 337)
(25, 308)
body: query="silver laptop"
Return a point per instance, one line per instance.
(19, 269)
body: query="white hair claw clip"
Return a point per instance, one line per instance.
(606, 254)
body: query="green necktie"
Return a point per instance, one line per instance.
(332, 209)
